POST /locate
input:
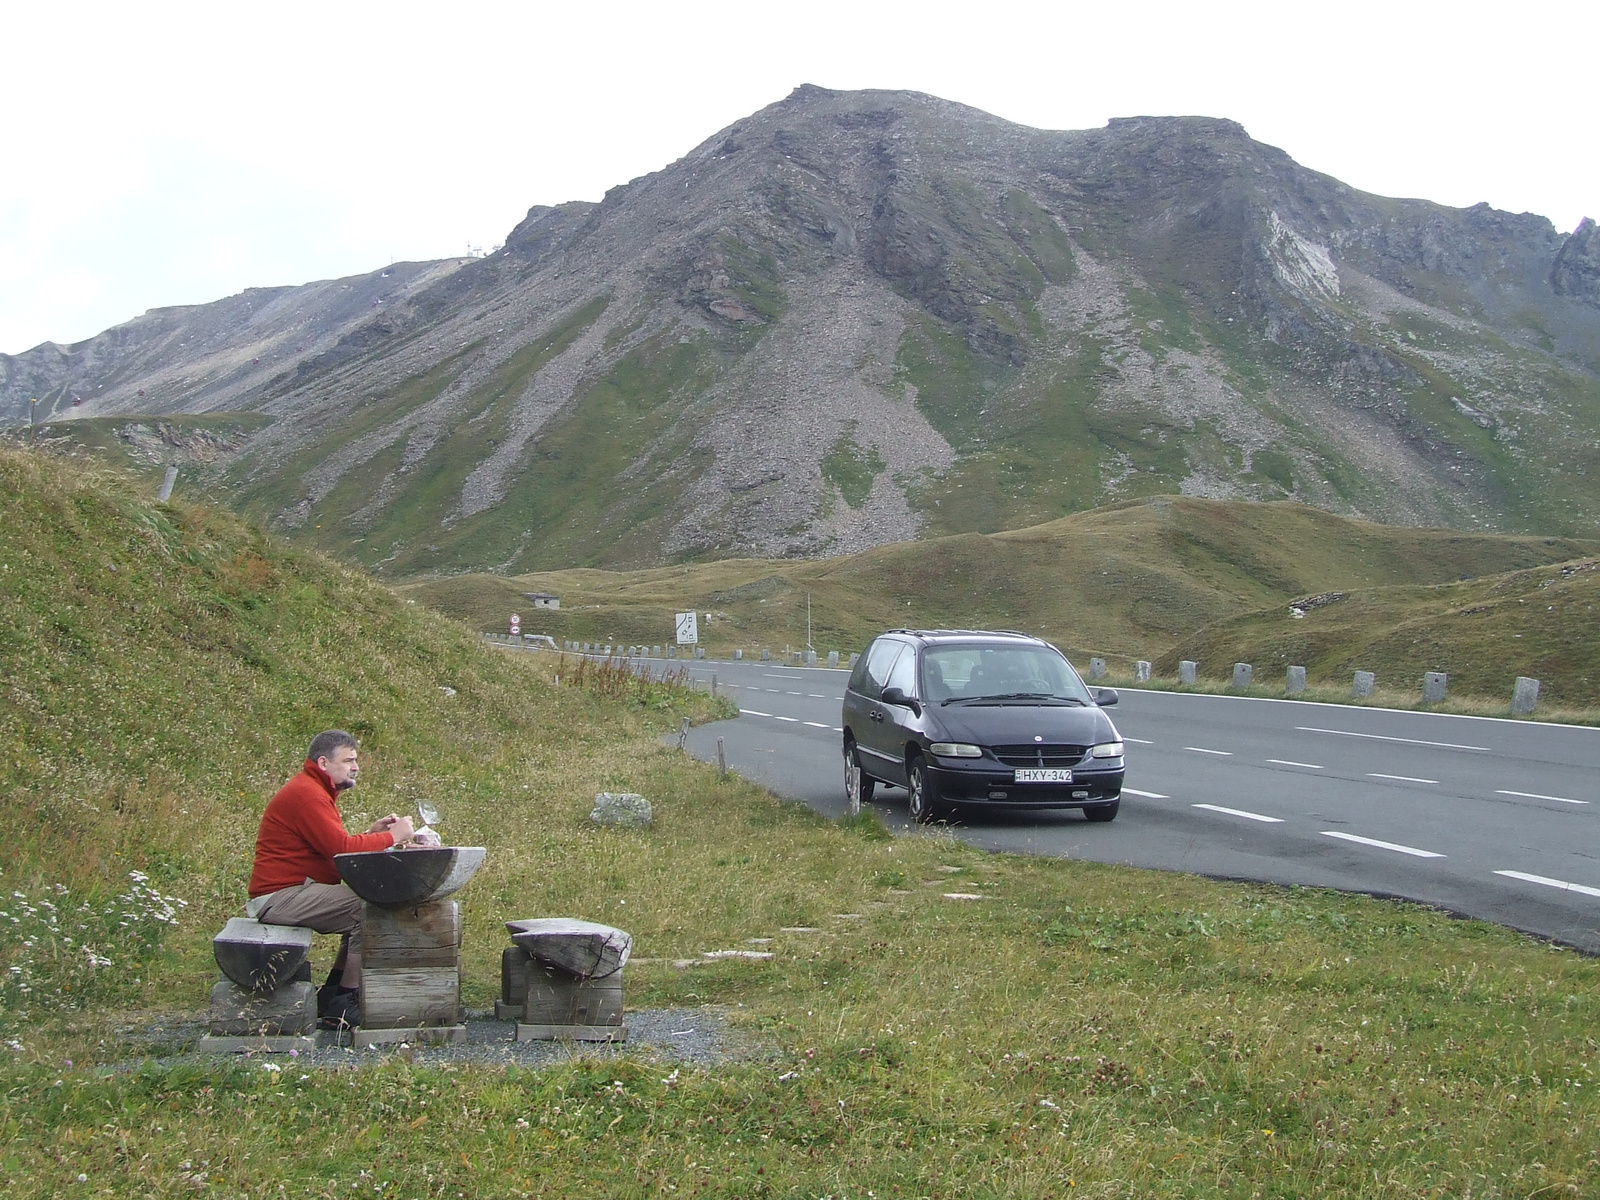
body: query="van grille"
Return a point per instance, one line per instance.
(1044, 754)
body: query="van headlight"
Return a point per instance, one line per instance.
(956, 750)
(1106, 750)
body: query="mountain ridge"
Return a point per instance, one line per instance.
(856, 318)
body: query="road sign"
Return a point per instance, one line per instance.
(688, 629)
(516, 625)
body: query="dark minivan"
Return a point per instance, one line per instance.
(975, 717)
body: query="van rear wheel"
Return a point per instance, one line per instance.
(858, 785)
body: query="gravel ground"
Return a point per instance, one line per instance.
(701, 1036)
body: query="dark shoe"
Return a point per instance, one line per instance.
(328, 990)
(343, 1010)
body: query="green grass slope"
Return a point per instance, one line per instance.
(1537, 622)
(1080, 1029)
(1132, 580)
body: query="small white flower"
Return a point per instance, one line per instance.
(273, 1067)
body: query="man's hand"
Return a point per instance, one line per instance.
(382, 824)
(402, 830)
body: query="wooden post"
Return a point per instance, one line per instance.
(411, 971)
(722, 759)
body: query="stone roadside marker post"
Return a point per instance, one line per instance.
(1141, 671)
(1295, 684)
(1361, 686)
(1097, 668)
(1186, 670)
(1435, 686)
(1524, 696)
(833, 658)
(1242, 673)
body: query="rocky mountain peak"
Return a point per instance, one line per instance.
(1576, 271)
(858, 317)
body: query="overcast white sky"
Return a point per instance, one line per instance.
(172, 153)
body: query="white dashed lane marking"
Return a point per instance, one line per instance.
(755, 712)
(1146, 795)
(1395, 846)
(1203, 750)
(1381, 737)
(1239, 812)
(1284, 762)
(1581, 889)
(1537, 796)
(1399, 778)
(1138, 741)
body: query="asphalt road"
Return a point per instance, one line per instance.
(1492, 819)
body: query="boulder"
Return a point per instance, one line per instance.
(628, 809)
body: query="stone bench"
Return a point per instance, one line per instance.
(264, 1001)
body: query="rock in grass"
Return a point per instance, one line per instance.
(628, 809)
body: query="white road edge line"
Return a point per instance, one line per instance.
(751, 712)
(1239, 812)
(1537, 796)
(1383, 737)
(1284, 762)
(818, 724)
(1555, 883)
(1400, 778)
(1395, 846)
(1203, 750)
(1146, 795)
(777, 717)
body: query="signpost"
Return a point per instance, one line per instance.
(516, 625)
(688, 629)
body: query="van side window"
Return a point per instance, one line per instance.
(879, 660)
(903, 674)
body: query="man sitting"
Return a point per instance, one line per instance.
(294, 881)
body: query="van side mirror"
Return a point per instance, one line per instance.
(894, 695)
(1105, 697)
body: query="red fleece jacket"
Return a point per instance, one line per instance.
(301, 832)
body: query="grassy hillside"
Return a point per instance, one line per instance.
(1482, 632)
(1081, 1029)
(1134, 580)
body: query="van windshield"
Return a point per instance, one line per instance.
(1000, 675)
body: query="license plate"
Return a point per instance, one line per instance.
(1043, 775)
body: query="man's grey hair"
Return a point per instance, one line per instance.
(329, 740)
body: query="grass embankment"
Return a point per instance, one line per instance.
(1080, 1029)
(1159, 580)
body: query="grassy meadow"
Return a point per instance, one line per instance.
(1076, 1029)
(1159, 579)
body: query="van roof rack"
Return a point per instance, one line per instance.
(963, 632)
